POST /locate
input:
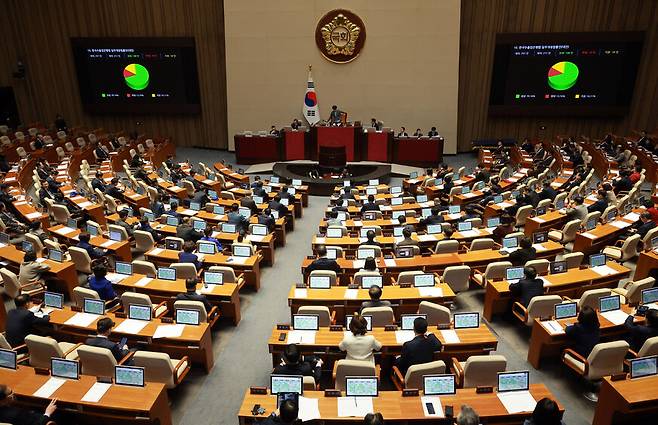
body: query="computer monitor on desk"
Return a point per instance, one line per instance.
(306, 322)
(8, 359)
(644, 366)
(609, 303)
(166, 273)
(92, 306)
(407, 321)
(319, 282)
(649, 295)
(213, 278)
(123, 268)
(53, 300)
(363, 253)
(422, 280)
(361, 386)
(596, 260)
(558, 267)
(286, 384)
(466, 320)
(369, 281)
(439, 385)
(513, 381)
(139, 312)
(62, 368)
(565, 310)
(129, 375)
(514, 274)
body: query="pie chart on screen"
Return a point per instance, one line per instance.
(136, 76)
(562, 75)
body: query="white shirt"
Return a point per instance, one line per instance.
(360, 347)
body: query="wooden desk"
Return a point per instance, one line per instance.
(95, 211)
(148, 404)
(398, 409)
(623, 401)
(600, 236)
(571, 284)
(250, 267)
(120, 249)
(647, 261)
(195, 341)
(472, 342)
(224, 296)
(544, 345)
(545, 222)
(339, 299)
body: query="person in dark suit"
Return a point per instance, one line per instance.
(601, 202)
(141, 174)
(434, 218)
(207, 236)
(447, 185)
(640, 333)
(186, 232)
(528, 287)
(286, 414)
(97, 182)
(433, 132)
(46, 192)
(293, 364)
(265, 217)
(347, 194)
(375, 293)
(407, 240)
(547, 192)
(5, 197)
(100, 152)
(21, 322)
(234, 217)
(101, 284)
(201, 197)
(334, 116)
(419, 350)
(525, 253)
(584, 334)
(505, 227)
(370, 205)
(113, 189)
(123, 216)
(624, 184)
(248, 202)
(136, 161)
(190, 178)
(145, 226)
(482, 174)
(258, 189)
(284, 194)
(191, 295)
(322, 262)
(276, 205)
(187, 255)
(83, 242)
(645, 224)
(370, 239)
(157, 207)
(20, 416)
(60, 123)
(103, 330)
(403, 132)
(173, 207)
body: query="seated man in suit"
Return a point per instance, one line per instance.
(157, 207)
(292, 364)
(525, 253)
(347, 194)
(145, 226)
(265, 217)
(434, 218)
(123, 216)
(100, 152)
(46, 192)
(601, 202)
(103, 330)
(528, 287)
(624, 183)
(20, 416)
(403, 132)
(640, 333)
(419, 350)
(201, 197)
(83, 242)
(547, 192)
(207, 236)
(284, 194)
(375, 293)
(322, 262)
(577, 209)
(21, 321)
(234, 217)
(286, 414)
(276, 205)
(433, 132)
(332, 219)
(187, 255)
(407, 241)
(370, 239)
(191, 295)
(334, 116)
(645, 224)
(97, 182)
(186, 232)
(113, 189)
(173, 207)
(258, 189)
(248, 202)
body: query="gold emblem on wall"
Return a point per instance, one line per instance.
(340, 36)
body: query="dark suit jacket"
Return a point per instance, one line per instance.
(248, 202)
(97, 183)
(623, 185)
(582, 339)
(193, 296)
(323, 264)
(638, 333)
(379, 303)
(278, 206)
(369, 206)
(644, 228)
(99, 341)
(158, 208)
(301, 368)
(18, 416)
(267, 220)
(548, 193)
(521, 256)
(526, 289)
(240, 222)
(418, 351)
(114, 192)
(432, 219)
(20, 323)
(187, 233)
(599, 205)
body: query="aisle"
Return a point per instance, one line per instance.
(241, 355)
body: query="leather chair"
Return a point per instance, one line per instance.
(130, 298)
(42, 349)
(482, 243)
(626, 250)
(567, 234)
(457, 278)
(143, 241)
(631, 291)
(159, 367)
(381, 316)
(414, 376)
(81, 259)
(436, 313)
(326, 317)
(185, 270)
(145, 268)
(539, 306)
(97, 361)
(345, 367)
(573, 259)
(494, 271)
(481, 370)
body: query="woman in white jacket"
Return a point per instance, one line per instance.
(357, 344)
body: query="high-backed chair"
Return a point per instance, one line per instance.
(42, 349)
(479, 370)
(22, 354)
(135, 298)
(457, 277)
(381, 316)
(414, 376)
(35, 241)
(61, 213)
(591, 297)
(445, 247)
(143, 241)
(338, 249)
(626, 251)
(13, 288)
(522, 215)
(482, 243)
(649, 348)
(159, 367)
(539, 306)
(209, 317)
(81, 259)
(80, 293)
(541, 266)
(494, 271)
(407, 277)
(631, 291)
(436, 313)
(122, 230)
(326, 317)
(573, 259)
(345, 367)
(567, 234)
(97, 361)
(185, 270)
(144, 267)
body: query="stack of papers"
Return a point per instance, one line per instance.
(301, 337)
(539, 220)
(143, 281)
(47, 389)
(33, 215)
(454, 216)
(450, 336)
(517, 401)
(155, 251)
(82, 320)
(470, 233)
(389, 262)
(168, 331)
(435, 401)
(553, 327)
(107, 244)
(430, 291)
(255, 238)
(604, 270)
(632, 216)
(309, 409)
(616, 317)
(237, 260)
(403, 336)
(96, 392)
(620, 224)
(115, 277)
(426, 238)
(65, 230)
(357, 264)
(351, 294)
(354, 406)
(538, 247)
(588, 235)
(301, 293)
(85, 204)
(319, 239)
(131, 326)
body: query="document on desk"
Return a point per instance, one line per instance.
(96, 392)
(143, 281)
(115, 277)
(358, 223)
(450, 336)
(168, 331)
(546, 281)
(616, 317)
(588, 235)
(632, 216)
(470, 233)
(539, 220)
(82, 319)
(505, 204)
(517, 401)
(538, 247)
(386, 208)
(85, 204)
(426, 238)
(403, 336)
(357, 264)
(309, 409)
(107, 244)
(455, 216)
(188, 212)
(155, 251)
(237, 260)
(619, 224)
(33, 215)
(47, 389)
(435, 401)
(174, 187)
(354, 406)
(553, 327)
(255, 238)
(351, 294)
(389, 262)
(301, 337)
(65, 230)
(604, 270)
(131, 326)
(301, 293)
(319, 239)
(430, 291)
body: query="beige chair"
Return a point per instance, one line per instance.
(36, 243)
(184, 270)
(42, 349)
(209, 317)
(81, 259)
(567, 234)
(228, 275)
(494, 271)
(573, 259)
(539, 306)
(225, 194)
(482, 243)
(333, 278)
(649, 348)
(343, 229)
(626, 251)
(522, 215)
(22, 153)
(631, 291)
(607, 358)
(135, 298)
(145, 268)
(188, 186)
(120, 229)
(345, 367)
(381, 316)
(99, 229)
(80, 293)
(436, 313)
(97, 361)
(479, 371)
(407, 277)
(143, 241)
(358, 276)
(21, 350)
(446, 247)
(414, 376)
(13, 288)
(457, 278)
(591, 297)
(61, 213)
(326, 317)
(594, 215)
(375, 248)
(159, 367)
(646, 240)
(541, 266)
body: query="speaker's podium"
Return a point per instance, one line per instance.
(335, 137)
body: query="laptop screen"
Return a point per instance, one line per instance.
(610, 303)
(367, 317)
(274, 179)
(284, 201)
(212, 194)
(139, 312)
(395, 190)
(173, 244)
(465, 190)
(559, 204)
(123, 268)
(244, 212)
(644, 366)
(396, 201)
(166, 273)
(407, 321)
(346, 183)
(319, 282)
(558, 267)
(62, 368)
(92, 230)
(541, 210)
(463, 226)
(363, 253)
(27, 246)
(115, 235)
(207, 247)
(425, 279)
(513, 381)
(305, 322)
(241, 251)
(296, 182)
(72, 223)
(229, 228)
(129, 375)
(55, 255)
(514, 273)
(404, 252)
(397, 214)
(565, 310)
(438, 384)
(4, 238)
(649, 295)
(510, 242)
(371, 190)
(596, 260)
(368, 281)
(413, 175)
(187, 317)
(53, 299)
(218, 209)
(332, 253)
(172, 221)
(286, 384)
(493, 222)
(591, 224)
(258, 199)
(498, 199)
(433, 229)
(373, 182)
(426, 212)
(213, 278)
(364, 231)
(8, 359)
(199, 225)
(466, 320)
(150, 217)
(94, 306)
(361, 386)
(539, 237)
(195, 206)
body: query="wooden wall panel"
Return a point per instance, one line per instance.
(38, 31)
(482, 19)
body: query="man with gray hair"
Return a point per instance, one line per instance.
(467, 416)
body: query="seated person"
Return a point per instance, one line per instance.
(113, 189)
(357, 344)
(370, 205)
(645, 224)
(547, 192)
(145, 226)
(21, 321)
(577, 209)
(186, 231)
(448, 231)
(525, 253)
(31, 271)
(347, 194)
(505, 227)
(528, 287)
(265, 217)
(284, 415)
(207, 236)
(103, 330)
(123, 215)
(292, 364)
(332, 219)
(419, 350)
(407, 240)
(640, 333)
(276, 205)
(157, 207)
(546, 412)
(97, 182)
(370, 239)
(20, 416)
(191, 295)
(434, 218)
(187, 255)
(375, 293)
(584, 334)
(369, 265)
(322, 262)
(601, 202)
(173, 207)
(94, 253)
(651, 209)
(234, 217)
(624, 183)
(99, 283)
